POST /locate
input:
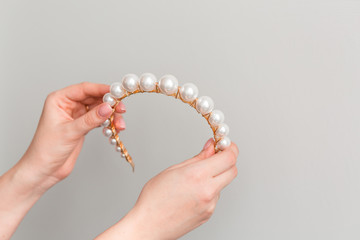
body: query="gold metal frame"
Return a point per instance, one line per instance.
(156, 90)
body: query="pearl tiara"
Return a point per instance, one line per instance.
(168, 85)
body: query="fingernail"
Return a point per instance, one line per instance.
(207, 144)
(122, 124)
(105, 110)
(122, 108)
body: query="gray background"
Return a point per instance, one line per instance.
(285, 73)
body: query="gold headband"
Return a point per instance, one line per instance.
(168, 85)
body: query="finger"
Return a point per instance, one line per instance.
(207, 151)
(94, 103)
(93, 118)
(220, 162)
(120, 108)
(119, 122)
(82, 91)
(225, 178)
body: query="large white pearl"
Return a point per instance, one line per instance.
(222, 130)
(130, 82)
(106, 123)
(216, 118)
(116, 90)
(112, 141)
(168, 84)
(109, 99)
(189, 92)
(147, 82)
(107, 132)
(223, 143)
(118, 149)
(204, 105)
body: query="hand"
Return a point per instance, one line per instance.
(63, 124)
(54, 149)
(179, 199)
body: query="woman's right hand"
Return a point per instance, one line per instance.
(180, 198)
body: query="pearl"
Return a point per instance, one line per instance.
(147, 82)
(130, 82)
(109, 99)
(123, 155)
(204, 105)
(189, 92)
(106, 123)
(116, 90)
(223, 143)
(112, 141)
(118, 149)
(168, 84)
(216, 118)
(107, 132)
(222, 130)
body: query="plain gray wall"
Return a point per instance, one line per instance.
(285, 73)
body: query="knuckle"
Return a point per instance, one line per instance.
(230, 158)
(235, 172)
(209, 210)
(84, 83)
(88, 120)
(207, 194)
(51, 96)
(235, 149)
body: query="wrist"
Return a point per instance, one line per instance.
(18, 193)
(130, 227)
(23, 182)
(32, 170)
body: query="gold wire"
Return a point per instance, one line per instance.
(156, 90)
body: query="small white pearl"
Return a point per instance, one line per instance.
(123, 155)
(204, 105)
(223, 143)
(112, 141)
(147, 82)
(116, 90)
(222, 130)
(216, 118)
(107, 132)
(106, 123)
(118, 149)
(189, 92)
(109, 99)
(130, 82)
(168, 84)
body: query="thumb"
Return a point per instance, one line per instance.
(93, 118)
(207, 151)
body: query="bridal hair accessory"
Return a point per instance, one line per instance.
(168, 85)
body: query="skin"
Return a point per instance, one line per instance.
(170, 205)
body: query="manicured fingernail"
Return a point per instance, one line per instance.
(105, 110)
(122, 124)
(122, 108)
(207, 144)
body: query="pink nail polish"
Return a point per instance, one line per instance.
(122, 124)
(104, 110)
(207, 144)
(122, 108)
